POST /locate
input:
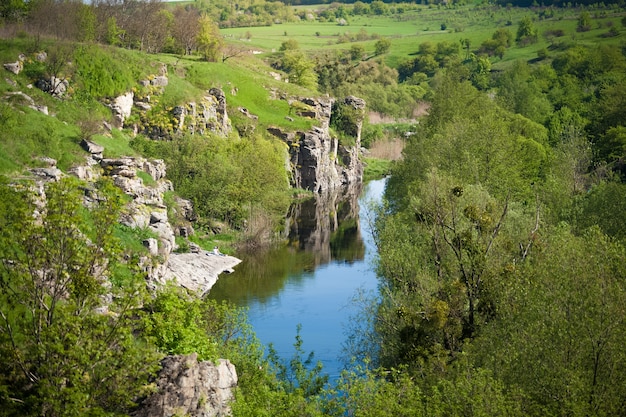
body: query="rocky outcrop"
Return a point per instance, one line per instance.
(198, 271)
(15, 67)
(122, 107)
(187, 387)
(317, 161)
(53, 85)
(208, 115)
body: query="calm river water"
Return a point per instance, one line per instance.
(312, 280)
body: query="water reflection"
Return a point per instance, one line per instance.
(318, 231)
(311, 279)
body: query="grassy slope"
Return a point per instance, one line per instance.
(26, 134)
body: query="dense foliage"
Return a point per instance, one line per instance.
(490, 250)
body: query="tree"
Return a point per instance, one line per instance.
(64, 349)
(209, 40)
(299, 68)
(185, 29)
(382, 46)
(13, 10)
(584, 22)
(357, 52)
(562, 319)
(289, 45)
(526, 32)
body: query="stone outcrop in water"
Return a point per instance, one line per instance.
(317, 161)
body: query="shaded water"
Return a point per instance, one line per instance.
(311, 280)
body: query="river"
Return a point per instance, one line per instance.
(312, 280)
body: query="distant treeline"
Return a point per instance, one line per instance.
(513, 3)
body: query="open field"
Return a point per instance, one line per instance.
(407, 30)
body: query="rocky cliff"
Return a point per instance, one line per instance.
(317, 160)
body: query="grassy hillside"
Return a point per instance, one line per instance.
(27, 133)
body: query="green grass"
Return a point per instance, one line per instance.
(248, 84)
(375, 168)
(132, 238)
(26, 134)
(409, 29)
(116, 144)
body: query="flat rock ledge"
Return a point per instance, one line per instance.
(198, 272)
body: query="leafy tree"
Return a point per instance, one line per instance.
(289, 45)
(382, 46)
(563, 321)
(357, 52)
(584, 22)
(378, 7)
(64, 349)
(13, 10)
(186, 28)
(455, 214)
(519, 92)
(209, 40)
(526, 32)
(299, 68)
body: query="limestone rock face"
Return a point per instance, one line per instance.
(191, 388)
(316, 159)
(209, 115)
(121, 107)
(198, 272)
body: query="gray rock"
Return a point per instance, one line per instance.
(93, 148)
(316, 160)
(198, 272)
(53, 85)
(158, 217)
(160, 81)
(142, 106)
(15, 67)
(48, 174)
(188, 387)
(152, 245)
(122, 107)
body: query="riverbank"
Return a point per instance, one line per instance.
(199, 271)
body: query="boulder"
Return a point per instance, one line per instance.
(152, 245)
(15, 67)
(53, 85)
(93, 148)
(160, 81)
(186, 386)
(48, 174)
(122, 107)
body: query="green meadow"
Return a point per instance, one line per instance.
(408, 29)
